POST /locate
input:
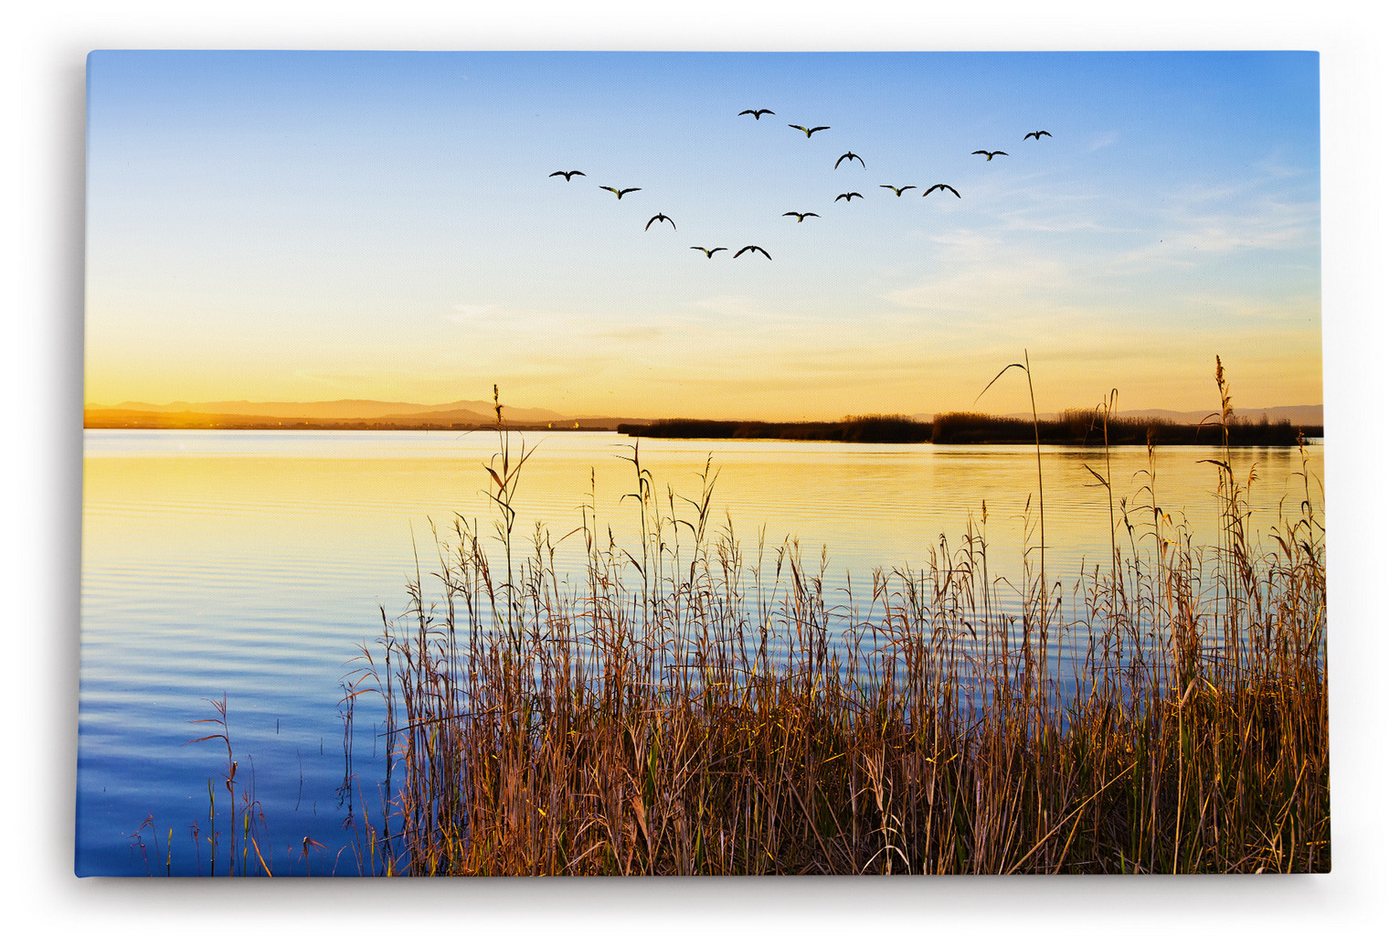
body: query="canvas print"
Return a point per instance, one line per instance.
(702, 464)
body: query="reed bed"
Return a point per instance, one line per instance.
(690, 705)
(869, 428)
(1085, 426)
(1070, 427)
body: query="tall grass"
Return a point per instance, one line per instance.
(693, 705)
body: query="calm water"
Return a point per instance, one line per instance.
(254, 565)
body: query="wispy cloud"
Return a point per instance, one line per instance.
(1189, 236)
(1101, 140)
(979, 282)
(1276, 166)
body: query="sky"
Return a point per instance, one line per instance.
(314, 226)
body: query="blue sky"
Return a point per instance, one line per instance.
(330, 225)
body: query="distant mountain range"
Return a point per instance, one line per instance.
(463, 410)
(332, 414)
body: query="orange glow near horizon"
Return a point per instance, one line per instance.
(1262, 375)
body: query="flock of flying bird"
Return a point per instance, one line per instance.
(757, 114)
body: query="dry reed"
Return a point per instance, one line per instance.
(694, 707)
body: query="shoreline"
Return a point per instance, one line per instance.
(1241, 439)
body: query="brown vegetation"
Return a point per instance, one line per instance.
(693, 706)
(1072, 427)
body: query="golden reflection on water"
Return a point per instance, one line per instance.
(353, 497)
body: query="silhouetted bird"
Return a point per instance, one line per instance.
(808, 130)
(709, 251)
(756, 113)
(987, 154)
(1037, 134)
(850, 156)
(847, 196)
(743, 250)
(800, 215)
(569, 175)
(941, 185)
(898, 192)
(618, 192)
(659, 217)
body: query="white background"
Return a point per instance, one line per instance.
(42, 58)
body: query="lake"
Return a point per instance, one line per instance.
(253, 565)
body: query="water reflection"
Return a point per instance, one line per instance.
(254, 564)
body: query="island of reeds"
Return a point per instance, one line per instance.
(693, 705)
(1071, 427)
